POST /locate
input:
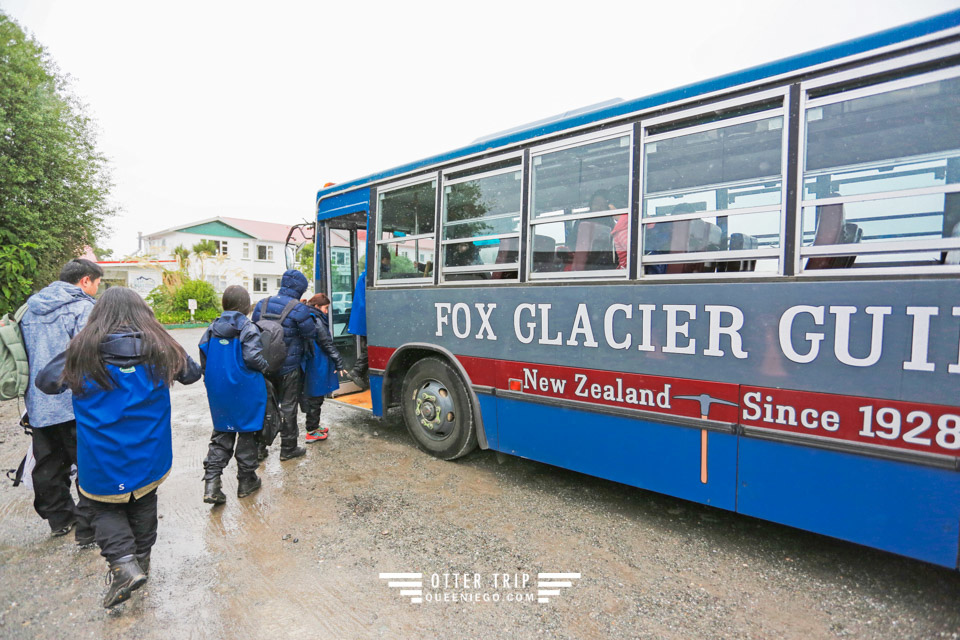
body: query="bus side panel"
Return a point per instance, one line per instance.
(376, 394)
(488, 413)
(904, 508)
(661, 458)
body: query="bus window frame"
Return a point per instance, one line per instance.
(612, 133)
(838, 94)
(434, 177)
(481, 268)
(755, 98)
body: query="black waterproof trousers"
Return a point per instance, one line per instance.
(124, 528)
(282, 410)
(221, 450)
(55, 449)
(311, 407)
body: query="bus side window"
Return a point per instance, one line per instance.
(692, 236)
(594, 248)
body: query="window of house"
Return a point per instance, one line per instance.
(261, 284)
(264, 252)
(222, 247)
(246, 250)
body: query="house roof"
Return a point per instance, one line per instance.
(269, 231)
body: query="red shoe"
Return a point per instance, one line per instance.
(314, 436)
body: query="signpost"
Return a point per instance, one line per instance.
(192, 305)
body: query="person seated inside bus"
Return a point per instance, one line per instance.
(620, 235)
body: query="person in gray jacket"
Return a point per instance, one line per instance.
(54, 315)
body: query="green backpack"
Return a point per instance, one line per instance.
(14, 370)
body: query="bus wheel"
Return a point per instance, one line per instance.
(436, 408)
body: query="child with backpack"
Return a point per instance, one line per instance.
(320, 368)
(120, 367)
(231, 357)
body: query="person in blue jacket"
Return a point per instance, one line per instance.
(120, 368)
(320, 369)
(299, 332)
(358, 327)
(231, 358)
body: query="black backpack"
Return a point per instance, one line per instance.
(271, 334)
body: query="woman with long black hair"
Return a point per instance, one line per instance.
(120, 368)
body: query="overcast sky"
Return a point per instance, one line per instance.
(246, 109)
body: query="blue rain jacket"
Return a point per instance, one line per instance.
(299, 329)
(358, 314)
(124, 441)
(232, 362)
(320, 366)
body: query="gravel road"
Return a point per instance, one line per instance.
(302, 558)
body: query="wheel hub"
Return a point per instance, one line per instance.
(435, 410)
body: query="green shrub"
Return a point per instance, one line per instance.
(201, 291)
(203, 316)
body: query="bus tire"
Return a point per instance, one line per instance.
(437, 409)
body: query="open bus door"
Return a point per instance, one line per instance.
(340, 258)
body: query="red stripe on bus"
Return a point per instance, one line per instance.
(890, 423)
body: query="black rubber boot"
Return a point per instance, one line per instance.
(212, 493)
(124, 577)
(261, 453)
(143, 559)
(295, 453)
(247, 485)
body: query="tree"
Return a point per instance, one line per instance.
(183, 254)
(203, 250)
(305, 260)
(54, 182)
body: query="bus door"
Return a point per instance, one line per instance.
(341, 258)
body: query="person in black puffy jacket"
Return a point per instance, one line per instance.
(299, 332)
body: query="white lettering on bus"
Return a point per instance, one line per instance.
(608, 326)
(676, 328)
(762, 409)
(921, 339)
(732, 330)
(786, 329)
(457, 308)
(531, 326)
(646, 313)
(544, 325)
(443, 315)
(582, 326)
(485, 310)
(532, 380)
(841, 340)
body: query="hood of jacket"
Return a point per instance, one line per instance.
(228, 325)
(293, 284)
(56, 295)
(122, 349)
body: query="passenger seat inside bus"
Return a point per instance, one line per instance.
(594, 248)
(833, 229)
(739, 242)
(508, 252)
(691, 236)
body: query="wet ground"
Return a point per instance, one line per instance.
(302, 557)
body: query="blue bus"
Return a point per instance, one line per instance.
(743, 292)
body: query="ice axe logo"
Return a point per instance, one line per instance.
(706, 402)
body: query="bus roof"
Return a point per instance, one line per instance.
(791, 64)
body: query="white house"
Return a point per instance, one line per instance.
(248, 252)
